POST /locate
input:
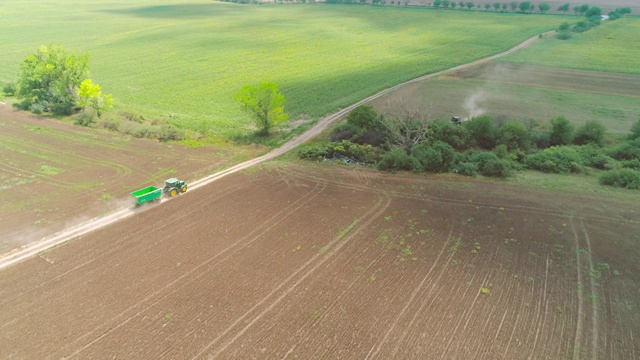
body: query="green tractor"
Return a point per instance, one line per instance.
(173, 187)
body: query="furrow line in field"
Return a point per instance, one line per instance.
(594, 305)
(540, 320)
(374, 351)
(426, 294)
(579, 325)
(334, 246)
(275, 219)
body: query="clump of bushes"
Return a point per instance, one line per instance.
(556, 159)
(134, 125)
(342, 149)
(624, 178)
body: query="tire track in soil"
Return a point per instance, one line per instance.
(594, 305)
(332, 248)
(580, 336)
(254, 234)
(443, 269)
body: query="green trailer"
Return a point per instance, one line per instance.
(150, 193)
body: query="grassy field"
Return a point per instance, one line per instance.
(613, 47)
(183, 60)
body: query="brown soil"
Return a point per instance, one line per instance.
(54, 175)
(309, 262)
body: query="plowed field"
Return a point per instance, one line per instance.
(315, 262)
(55, 175)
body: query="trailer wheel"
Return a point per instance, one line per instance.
(173, 192)
(184, 189)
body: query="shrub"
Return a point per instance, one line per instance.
(169, 132)
(595, 157)
(628, 150)
(397, 159)
(363, 126)
(9, 89)
(561, 159)
(562, 131)
(487, 163)
(581, 26)
(564, 26)
(85, 118)
(591, 132)
(563, 35)
(454, 135)
(483, 131)
(436, 157)
(631, 164)
(497, 168)
(624, 178)
(467, 168)
(514, 135)
(541, 139)
(343, 149)
(635, 131)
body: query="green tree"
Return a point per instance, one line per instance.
(496, 6)
(49, 79)
(623, 11)
(562, 131)
(487, 6)
(525, 6)
(469, 5)
(265, 103)
(591, 132)
(453, 4)
(90, 98)
(483, 131)
(635, 130)
(436, 157)
(505, 6)
(583, 9)
(593, 11)
(515, 135)
(564, 8)
(513, 5)
(544, 7)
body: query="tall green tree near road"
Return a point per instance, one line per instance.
(49, 79)
(90, 98)
(265, 103)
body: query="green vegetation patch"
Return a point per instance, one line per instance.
(612, 46)
(182, 61)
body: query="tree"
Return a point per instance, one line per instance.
(544, 7)
(504, 6)
(635, 130)
(525, 6)
(624, 11)
(445, 3)
(483, 131)
(406, 125)
(562, 131)
(469, 5)
(49, 79)
(265, 103)
(453, 4)
(513, 5)
(583, 8)
(591, 132)
(436, 157)
(487, 6)
(90, 98)
(564, 8)
(576, 9)
(515, 135)
(593, 11)
(496, 6)
(437, 3)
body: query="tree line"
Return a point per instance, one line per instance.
(409, 141)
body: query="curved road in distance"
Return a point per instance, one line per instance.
(96, 223)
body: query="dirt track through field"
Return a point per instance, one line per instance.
(314, 131)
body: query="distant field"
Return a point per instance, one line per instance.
(612, 47)
(183, 60)
(523, 92)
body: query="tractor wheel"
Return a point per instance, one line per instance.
(173, 192)
(184, 189)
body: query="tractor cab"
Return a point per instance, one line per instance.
(173, 187)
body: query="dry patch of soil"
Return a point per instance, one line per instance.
(309, 262)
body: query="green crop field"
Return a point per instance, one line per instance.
(613, 46)
(182, 60)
